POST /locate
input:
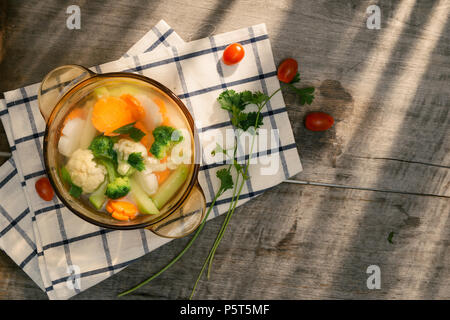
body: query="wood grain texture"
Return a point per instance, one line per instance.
(4, 147)
(388, 91)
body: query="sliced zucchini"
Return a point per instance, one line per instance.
(98, 197)
(143, 201)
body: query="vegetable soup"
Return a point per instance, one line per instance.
(126, 150)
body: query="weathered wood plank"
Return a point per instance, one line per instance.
(2, 27)
(4, 147)
(15, 284)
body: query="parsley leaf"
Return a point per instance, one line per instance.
(125, 129)
(132, 131)
(230, 99)
(75, 191)
(296, 78)
(237, 117)
(235, 103)
(65, 176)
(226, 181)
(245, 97)
(305, 94)
(257, 97)
(136, 160)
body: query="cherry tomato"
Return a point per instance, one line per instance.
(233, 54)
(287, 70)
(318, 121)
(44, 189)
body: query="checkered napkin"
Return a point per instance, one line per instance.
(64, 254)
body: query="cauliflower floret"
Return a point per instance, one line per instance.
(124, 148)
(147, 180)
(84, 171)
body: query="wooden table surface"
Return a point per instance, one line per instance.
(382, 168)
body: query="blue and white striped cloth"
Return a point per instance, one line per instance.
(65, 255)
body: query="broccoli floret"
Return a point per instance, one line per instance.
(110, 168)
(102, 148)
(158, 150)
(165, 138)
(118, 188)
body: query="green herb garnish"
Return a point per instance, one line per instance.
(74, 190)
(226, 180)
(305, 95)
(390, 236)
(236, 102)
(165, 139)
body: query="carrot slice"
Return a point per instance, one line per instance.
(161, 176)
(111, 113)
(121, 210)
(75, 113)
(124, 207)
(134, 105)
(163, 110)
(119, 216)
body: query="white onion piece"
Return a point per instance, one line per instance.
(70, 138)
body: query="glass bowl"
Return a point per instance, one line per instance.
(61, 90)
